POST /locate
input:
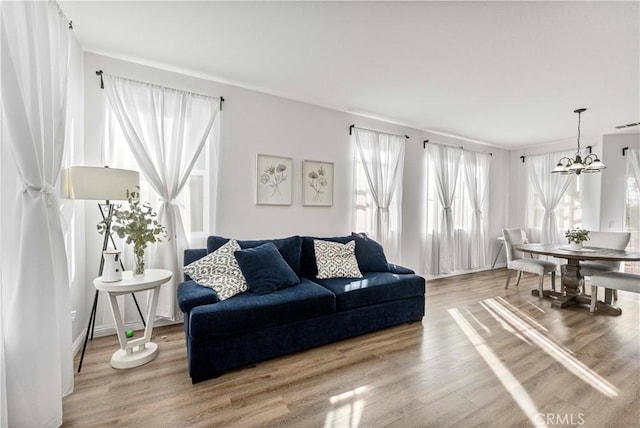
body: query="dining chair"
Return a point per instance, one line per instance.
(613, 280)
(514, 237)
(614, 240)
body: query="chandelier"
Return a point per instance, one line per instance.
(590, 163)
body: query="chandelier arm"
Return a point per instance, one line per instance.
(569, 161)
(589, 159)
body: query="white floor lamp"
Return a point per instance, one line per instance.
(102, 184)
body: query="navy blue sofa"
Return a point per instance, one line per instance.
(248, 328)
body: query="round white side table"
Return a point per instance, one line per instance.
(136, 352)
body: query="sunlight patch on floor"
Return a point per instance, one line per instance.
(557, 352)
(537, 307)
(484, 327)
(504, 325)
(524, 315)
(501, 371)
(347, 409)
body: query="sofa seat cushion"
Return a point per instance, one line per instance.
(373, 288)
(247, 312)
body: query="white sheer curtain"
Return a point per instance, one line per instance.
(380, 159)
(549, 188)
(443, 164)
(476, 172)
(161, 126)
(632, 214)
(36, 336)
(633, 165)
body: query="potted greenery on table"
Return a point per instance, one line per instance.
(576, 237)
(137, 223)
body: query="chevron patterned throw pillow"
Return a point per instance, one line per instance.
(219, 270)
(336, 260)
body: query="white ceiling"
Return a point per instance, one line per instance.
(505, 73)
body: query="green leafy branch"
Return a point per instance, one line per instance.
(136, 222)
(577, 235)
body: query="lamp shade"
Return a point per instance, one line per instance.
(100, 183)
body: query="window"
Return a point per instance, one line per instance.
(378, 200)
(467, 248)
(194, 199)
(568, 211)
(632, 220)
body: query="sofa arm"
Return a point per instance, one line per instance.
(400, 270)
(191, 295)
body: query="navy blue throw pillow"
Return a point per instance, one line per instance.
(265, 269)
(370, 254)
(289, 248)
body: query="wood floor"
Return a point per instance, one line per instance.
(483, 356)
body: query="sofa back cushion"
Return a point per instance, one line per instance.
(289, 248)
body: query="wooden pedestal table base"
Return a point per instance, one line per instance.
(136, 352)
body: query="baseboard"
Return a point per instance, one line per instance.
(465, 272)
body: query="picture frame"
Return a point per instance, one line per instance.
(273, 180)
(317, 183)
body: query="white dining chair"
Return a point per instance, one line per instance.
(516, 262)
(614, 240)
(615, 281)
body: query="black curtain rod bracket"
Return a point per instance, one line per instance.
(624, 151)
(70, 25)
(424, 144)
(522, 157)
(589, 148)
(99, 73)
(351, 129)
(221, 101)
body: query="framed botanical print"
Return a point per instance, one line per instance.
(317, 183)
(273, 180)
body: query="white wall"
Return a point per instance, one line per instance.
(613, 180)
(253, 122)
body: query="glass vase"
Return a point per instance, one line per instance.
(139, 263)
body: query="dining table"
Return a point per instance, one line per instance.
(571, 278)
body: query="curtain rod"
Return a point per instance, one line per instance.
(425, 142)
(100, 73)
(590, 148)
(373, 130)
(624, 151)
